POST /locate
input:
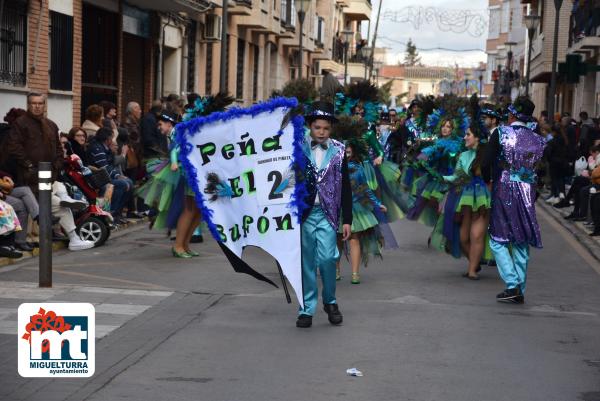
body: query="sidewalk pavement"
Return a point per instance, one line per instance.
(578, 229)
(59, 245)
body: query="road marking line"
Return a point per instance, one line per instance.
(121, 309)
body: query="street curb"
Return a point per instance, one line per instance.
(57, 246)
(577, 229)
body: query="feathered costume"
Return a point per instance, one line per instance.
(438, 160)
(382, 179)
(166, 189)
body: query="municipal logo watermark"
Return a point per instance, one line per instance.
(56, 339)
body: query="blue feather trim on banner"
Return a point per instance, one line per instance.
(194, 126)
(299, 165)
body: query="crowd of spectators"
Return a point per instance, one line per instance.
(102, 142)
(572, 166)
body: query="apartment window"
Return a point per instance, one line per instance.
(288, 13)
(209, 68)
(255, 51)
(494, 26)
(239, 88)
(320, 31)
(505, 22)
(61, 51)
(13, 43)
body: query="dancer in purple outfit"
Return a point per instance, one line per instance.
(510, 163)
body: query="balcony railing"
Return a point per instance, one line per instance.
(585, 21)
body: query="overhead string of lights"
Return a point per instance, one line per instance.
(472, 22)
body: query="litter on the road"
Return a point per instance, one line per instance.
(354, 372)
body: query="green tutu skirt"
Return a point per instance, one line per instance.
(362, 219)
(369, 170)
(434, 190)
(158, 192)
(475, 196)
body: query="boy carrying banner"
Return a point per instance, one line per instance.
(329, 196)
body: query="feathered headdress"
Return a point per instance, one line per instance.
(206, 105)
(359, 93)
(350, 130)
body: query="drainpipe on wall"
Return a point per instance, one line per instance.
(184, 62)
(37, 38)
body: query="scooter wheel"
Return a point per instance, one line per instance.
(93, 229)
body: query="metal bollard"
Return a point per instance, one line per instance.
(45, 222)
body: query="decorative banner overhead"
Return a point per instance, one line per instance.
(242, 165)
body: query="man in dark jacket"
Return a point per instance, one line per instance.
(154, 143)
(33, 139)
(100, 155)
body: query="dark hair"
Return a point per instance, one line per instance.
(480, 152)
(103, 134)
(123, 137)
(595, 148)
(559, 130)
(544, 113)
(13, 114)
(73, 131)
(63, 135)
(107, 106)
(94, 113)
(583, 115)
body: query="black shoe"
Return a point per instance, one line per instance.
(595, 233)
(512, 295)
(25, 247)
(571, 216)
(333, 314)
(134, 215)
(304, 321)
(197, 239)
(578, 219)
(563, 203)
(10, 252)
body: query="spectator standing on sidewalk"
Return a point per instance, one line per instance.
(557, 155)
(34, 139)
(154, 143)
(94, 115)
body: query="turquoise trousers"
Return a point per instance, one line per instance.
(319, 249)
(512, 268)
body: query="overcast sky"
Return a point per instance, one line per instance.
(394, 35)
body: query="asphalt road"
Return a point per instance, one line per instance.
(415, 328)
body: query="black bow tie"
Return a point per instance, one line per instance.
(314, 144)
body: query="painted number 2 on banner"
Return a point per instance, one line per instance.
(274, 181)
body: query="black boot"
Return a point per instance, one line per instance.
(333, 313)
(513, 295)
(304, 321)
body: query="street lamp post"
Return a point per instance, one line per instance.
(377, 66)
(347, 38)
(552, 94)
(532, 22)
(481, 84)
(302, 7)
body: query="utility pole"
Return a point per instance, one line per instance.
(552, 95)
(223, 70)
(374, 39)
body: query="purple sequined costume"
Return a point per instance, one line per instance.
(327, 182)
(513, 218)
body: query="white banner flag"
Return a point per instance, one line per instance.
(239, 164)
